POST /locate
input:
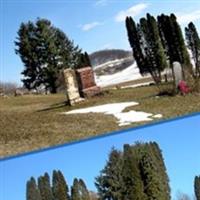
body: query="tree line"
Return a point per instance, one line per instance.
(42, 189)
(138, 172)
(45, 50)
(158, 43)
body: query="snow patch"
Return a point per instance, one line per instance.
(116, 109)
(137, 85)
(158, 116)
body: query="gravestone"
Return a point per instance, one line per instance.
(71, 84)
(86, 82)
(177, 72)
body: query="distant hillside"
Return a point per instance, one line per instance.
(107, 62)
(103, 56)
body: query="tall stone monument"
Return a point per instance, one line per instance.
(71, 84)
(177, 72)
(86, 82)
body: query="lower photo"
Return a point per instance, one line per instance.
(159, 162)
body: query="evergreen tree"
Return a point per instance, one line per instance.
(173, 42)
(59, 187)
(193, 42)
(75, 195)
(152, 45)
(32, 191)
(134, 38)
(109, 183)
(162, 168)
(85, 195)
(197, 187)
(44, 50)
(168, 38)
(45, 187)
(180, 44)
(133, 188)
(149, 167)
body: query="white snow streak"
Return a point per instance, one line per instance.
(116, 109)
(136, 85)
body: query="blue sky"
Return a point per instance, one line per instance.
(92, 24)
(178, 139)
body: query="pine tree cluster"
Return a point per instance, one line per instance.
(137, 173)
(58, 190)
(157, 43)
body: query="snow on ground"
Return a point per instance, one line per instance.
(116, 109)
(137, 85)
(157, 116)
(128, 74)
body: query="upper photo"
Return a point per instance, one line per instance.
(72, 70)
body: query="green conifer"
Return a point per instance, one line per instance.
(59, 186)
(109, 183)
(135, 40)
(193, 42)
(32, 191)
(85, 195)
(75, 195)
(133, 188)
(45, 187)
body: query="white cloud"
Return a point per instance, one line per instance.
(188, 17)
(101, 2)
(132, 11)
(89, 26)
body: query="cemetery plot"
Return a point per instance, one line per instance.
(32, 122)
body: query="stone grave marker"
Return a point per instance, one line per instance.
(177, 72)
(71, 84)
(86, 82)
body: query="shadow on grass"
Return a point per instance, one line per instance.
(167, 93)
(54, 106)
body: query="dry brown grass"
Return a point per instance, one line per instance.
(36, 121)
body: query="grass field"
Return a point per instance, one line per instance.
(36, 121)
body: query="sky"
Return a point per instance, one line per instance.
(179, 141)
(91, 24)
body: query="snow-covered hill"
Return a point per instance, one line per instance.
(113, 66)
(128, 74)
(106, 55)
